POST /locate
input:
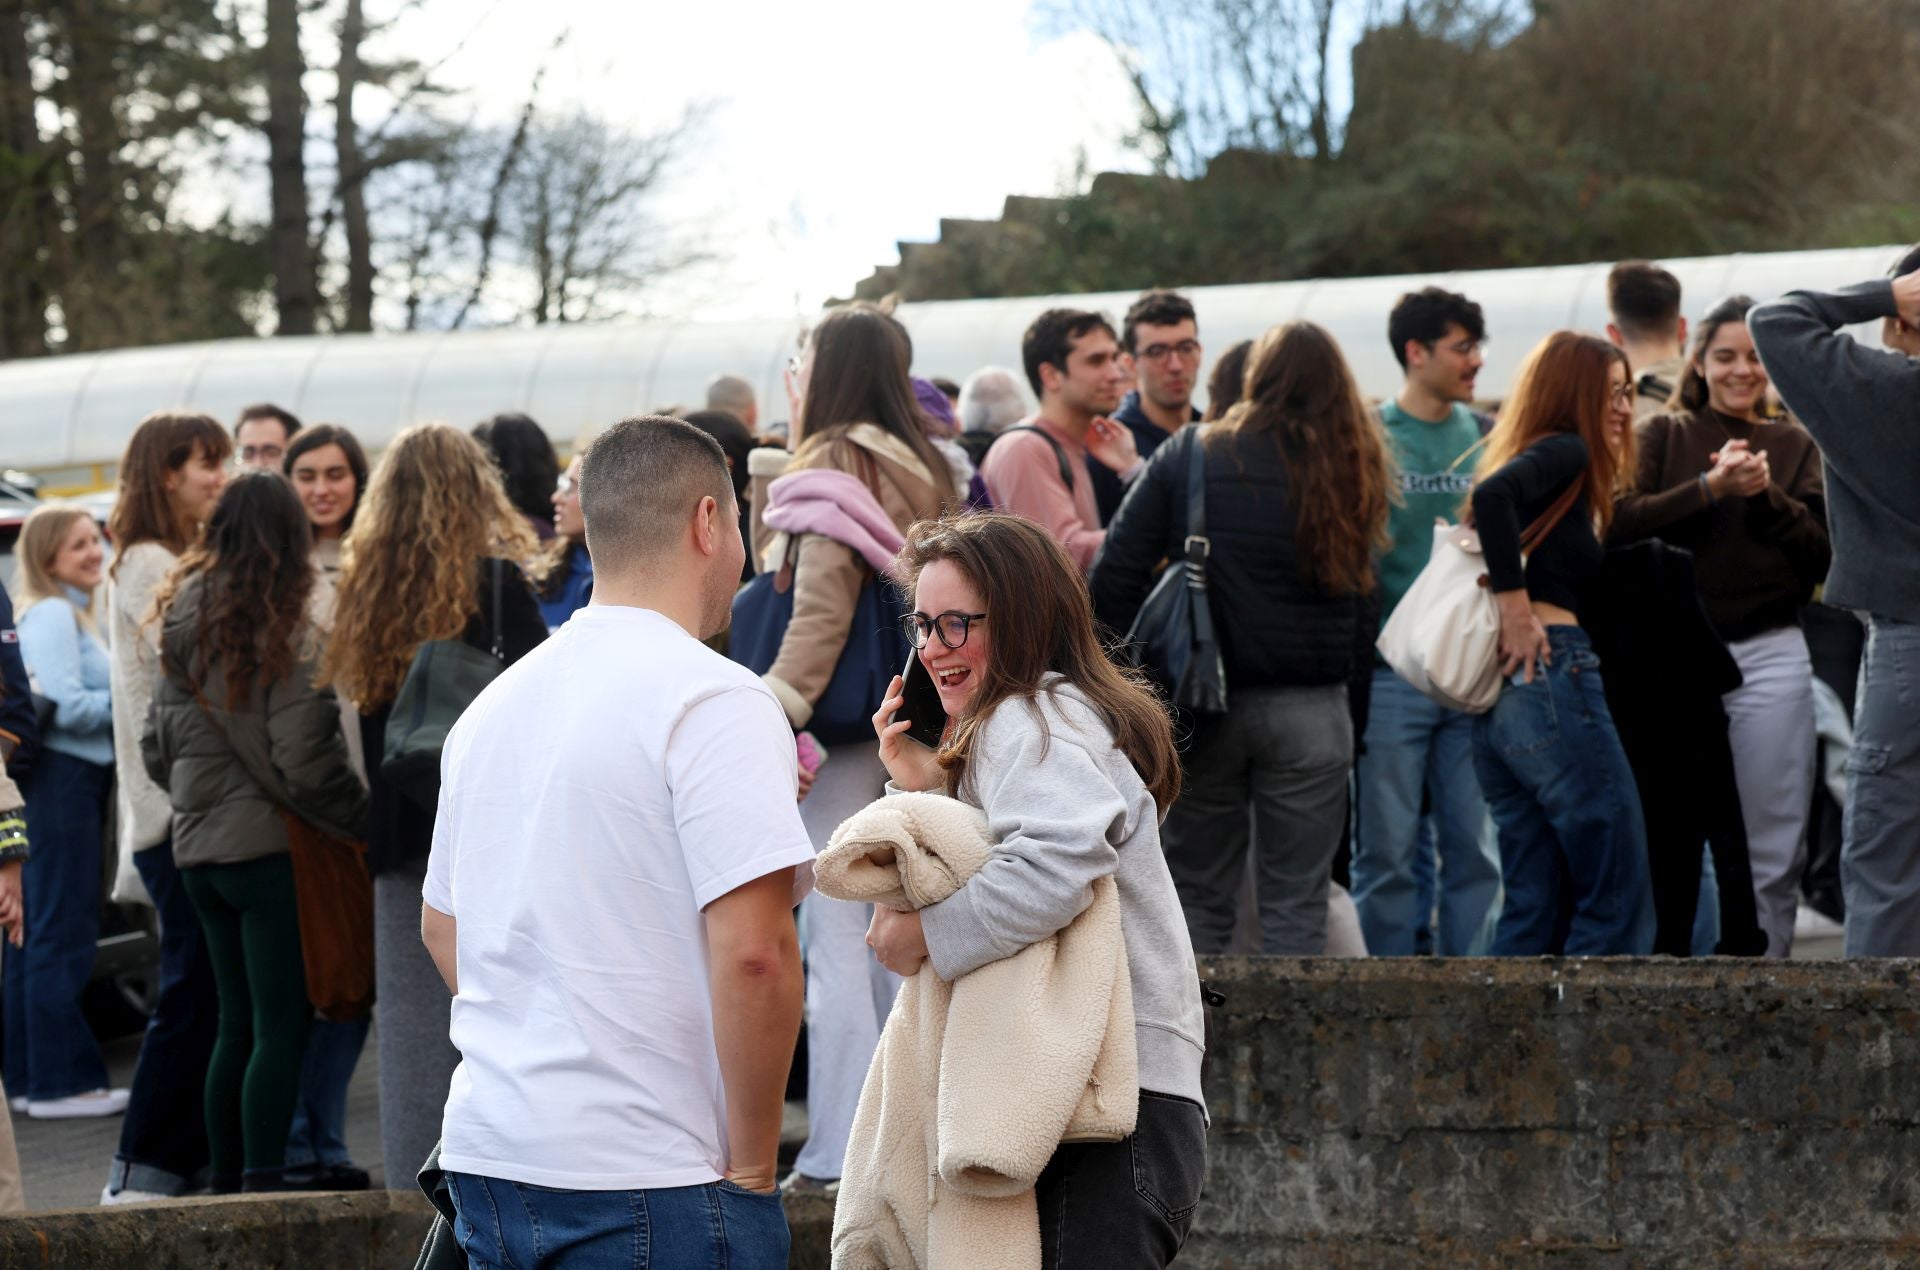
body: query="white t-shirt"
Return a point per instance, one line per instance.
(596, 798)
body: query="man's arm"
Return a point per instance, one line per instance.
(1844, 392)
(440, 933)
(755, 955)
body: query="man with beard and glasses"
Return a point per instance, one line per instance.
(1160, 338)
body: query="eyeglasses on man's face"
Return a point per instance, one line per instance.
(254, 455)
(950, 626)
(1157, 353)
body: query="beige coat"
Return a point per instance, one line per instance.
(975, 1083)
(827, 575)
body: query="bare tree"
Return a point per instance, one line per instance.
(352, 177)
(290, 247)
(578, 213)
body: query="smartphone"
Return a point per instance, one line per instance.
(922, 705)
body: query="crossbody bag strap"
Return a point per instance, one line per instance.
(1059, 454)
(1198, 546)
(499, 653)
(1544, 524)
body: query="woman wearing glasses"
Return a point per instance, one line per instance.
(1072, 761)
(861, 471)
(1744, 493)
(1573, 848)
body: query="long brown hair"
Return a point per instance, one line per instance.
(409, 570)
(860, 360)
(1042, 623)
(165, 441)
(253, 563)
(1300, 392)
(1562, 387)
(1691, 392)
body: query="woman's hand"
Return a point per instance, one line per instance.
(13, 913)
(1738, 471)
(911, 765)
(898, 941)
(1523, 640)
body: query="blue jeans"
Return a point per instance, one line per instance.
(1416, 746)
(163, 1139)
(1880, 851)
(50, 1050)
(318, 1135)
(1573, 846)
(503, 1224)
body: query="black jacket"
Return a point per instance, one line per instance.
(1275, 629)
(18, 724)
(399, 828)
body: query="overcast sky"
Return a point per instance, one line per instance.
(837, 126)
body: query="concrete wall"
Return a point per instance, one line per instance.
(1406, 1114)
(1577, 1113)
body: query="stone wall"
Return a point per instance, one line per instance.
(1578, 1113)
(1405, 1114)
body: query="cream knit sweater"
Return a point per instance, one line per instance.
(975, 1082)
(145, 815)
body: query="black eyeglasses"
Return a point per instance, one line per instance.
(951, 626)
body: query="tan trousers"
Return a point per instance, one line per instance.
(12, 1199)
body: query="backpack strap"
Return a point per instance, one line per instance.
(1059, 453)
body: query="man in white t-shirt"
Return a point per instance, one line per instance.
(615, 863)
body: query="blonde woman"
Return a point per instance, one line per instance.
(52, 1059)
(171, 476)
(416, 568)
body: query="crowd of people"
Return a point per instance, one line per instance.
(253, 658)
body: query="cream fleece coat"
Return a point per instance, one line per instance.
(975, 1082)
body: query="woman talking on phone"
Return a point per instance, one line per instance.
(1573, 846)
(1072, 761)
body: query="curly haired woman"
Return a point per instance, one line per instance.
(417, 567)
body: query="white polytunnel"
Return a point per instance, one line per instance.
(68, 417)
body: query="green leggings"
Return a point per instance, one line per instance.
(252, 925)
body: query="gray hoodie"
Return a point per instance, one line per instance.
(1066, 808)
(1863, 406)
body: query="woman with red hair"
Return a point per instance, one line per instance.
(1573, 847)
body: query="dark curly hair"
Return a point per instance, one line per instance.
(255, 577)
(526, 459)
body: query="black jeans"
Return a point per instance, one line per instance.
(1125, 1205)
(163, 1140)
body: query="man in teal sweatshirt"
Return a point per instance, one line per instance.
(1415, 747)
(1863, 406)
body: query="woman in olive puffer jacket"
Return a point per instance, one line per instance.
(241, 739)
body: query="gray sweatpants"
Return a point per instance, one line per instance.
(1880, 855)
(1275, 765)
(849, 994)
(1770, 726)
(412, 1013)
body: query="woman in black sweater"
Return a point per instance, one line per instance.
(1297, 484)
(1573, 849)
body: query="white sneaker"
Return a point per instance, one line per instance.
(131, 1197)
(18, 1106)
(100, 1102)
